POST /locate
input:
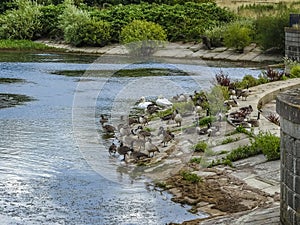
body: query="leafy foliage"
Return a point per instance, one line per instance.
(50, 21)
(191, 177)
(200, 146)
(142, 37)
(21, 23)
(268, 144)
(239, 34)
(216, 35)
(270, 31)
(295, 71)
(80, 29)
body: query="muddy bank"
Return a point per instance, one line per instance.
(11, 100)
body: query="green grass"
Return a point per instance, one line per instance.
(229, 140)
(191, 177)
(23, 45)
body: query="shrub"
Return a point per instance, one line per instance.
(50, 21)
(270, 31)
(191, 177)
(273, 75)
(216, 35)
(247, 81)
(200, 146)
(79, 29)
(238, 35)
(196, 160)
(295, 71)
(21, 23)
(268, 144)
(206, 120)
(142, 37)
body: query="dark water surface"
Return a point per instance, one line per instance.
(54, 166)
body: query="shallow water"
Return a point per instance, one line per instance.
(54, 165)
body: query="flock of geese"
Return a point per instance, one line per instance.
(132, 138)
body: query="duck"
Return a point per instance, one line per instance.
(246, 109)
(112, 149)
(164, 102)
(108, 128)
(143, 104)
(123, 150)
(178, 118)
(151, 148)
(103, 119)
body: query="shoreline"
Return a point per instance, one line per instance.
(226, 193)
(251, 54)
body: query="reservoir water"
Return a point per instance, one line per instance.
(54, 164)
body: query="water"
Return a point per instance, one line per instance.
(54, 165)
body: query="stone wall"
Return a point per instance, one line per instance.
(288, 107)
(292, 43)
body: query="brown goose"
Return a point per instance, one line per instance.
(178, 118)
(108, 128)
(151, 148)
(123, 150)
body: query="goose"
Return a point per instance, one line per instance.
(178, 118)
(168, 117)
(138, 143)
(164, 102)
(112, 149)
(143, 120)
(151, 148)
(247, 109)
(123, 150)
(142, 133)
(103, 119)
(244, 94)
(124, 130)
(151, 109)
(143, 104)
(203, 131)
(138, 155)
(108, 128)
(231, 103)
(167, 136)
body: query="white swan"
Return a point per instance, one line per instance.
(161, 101)
(143, 104)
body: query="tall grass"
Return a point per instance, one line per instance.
(23, 45)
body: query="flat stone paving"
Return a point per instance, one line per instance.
(180, 50)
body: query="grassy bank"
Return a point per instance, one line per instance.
(24, 45)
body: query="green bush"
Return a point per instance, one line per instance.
(200, 146)
(238, 35)
(206, 120)
(270, 31)
(191, 177)
(248, 80)
(295, 71)
(80, 29)
(181, 22)
(196, 160)
(142, 37)
(268, 144)
(216, 35)
(21, 23)
(50, 21)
